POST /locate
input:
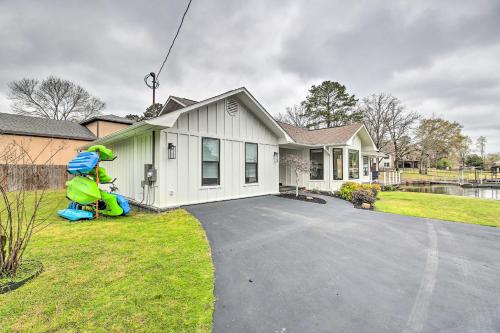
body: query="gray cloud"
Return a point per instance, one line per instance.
(438, 57)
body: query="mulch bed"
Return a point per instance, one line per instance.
(28, 270)
(302, 197)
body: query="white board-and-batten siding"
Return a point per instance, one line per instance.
(180, 181)
(128, 168)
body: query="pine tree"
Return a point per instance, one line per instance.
(329, 105)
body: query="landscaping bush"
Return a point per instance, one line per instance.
(347, 189)
(363, 195)
(375, 188)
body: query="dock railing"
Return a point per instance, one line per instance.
(389, 177)
(458, 176)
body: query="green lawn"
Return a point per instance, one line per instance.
(142, 273)
(440, 206)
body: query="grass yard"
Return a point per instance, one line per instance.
(440, 206)
(142, 273)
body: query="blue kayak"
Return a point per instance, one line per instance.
(123, 203)
(83, 163)
(73, 205)
(75, 214)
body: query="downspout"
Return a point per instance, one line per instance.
(153, 139)
(153, 160)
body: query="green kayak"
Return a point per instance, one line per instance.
(83, 190)
(112, 206)
(103, 176)
(105, 154)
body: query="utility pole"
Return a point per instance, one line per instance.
(152, 83)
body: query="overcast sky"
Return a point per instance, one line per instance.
(438, 57)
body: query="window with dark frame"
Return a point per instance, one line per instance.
(316, 157)
(251, 163)
(210, 165)
(338, 164)
(366, 166)
(353, 164)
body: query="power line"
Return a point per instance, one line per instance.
(173, 41)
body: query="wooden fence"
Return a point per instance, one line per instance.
(31, 177)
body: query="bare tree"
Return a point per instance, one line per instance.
(298, 165)
(53, 98)
(375, 109)
(20, 211)
(294, 115)
(399, 125)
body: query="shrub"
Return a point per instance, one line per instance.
(363, 195)
(390, 188)
(346, 190)
(375, 188)
(443, 164)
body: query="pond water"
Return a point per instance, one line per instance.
(478, 192)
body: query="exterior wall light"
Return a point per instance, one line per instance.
(171, 151)
(276, 157)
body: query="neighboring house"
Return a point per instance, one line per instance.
(104, 125)
(44, 137)
(386, 162)
(226, 147)
(411, 160)
(495, 168)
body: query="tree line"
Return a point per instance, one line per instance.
(396, 130)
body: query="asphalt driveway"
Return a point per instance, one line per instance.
(289, 266)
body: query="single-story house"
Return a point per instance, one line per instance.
(227, 147)
(495, 168)
(43, 137)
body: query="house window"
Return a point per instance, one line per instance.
(365, 166)
(353, 164)
(386, 164)
(338, 164)
(251, 163)
(210, 166)
(316, 157)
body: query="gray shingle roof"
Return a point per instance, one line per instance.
(109, 117)
(34, 126)
(185, 101)
(325, 136)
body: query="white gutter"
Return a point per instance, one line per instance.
(123, 133)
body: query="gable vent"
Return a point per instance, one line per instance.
(232, 107)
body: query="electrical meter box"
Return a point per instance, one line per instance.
(149, 173)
